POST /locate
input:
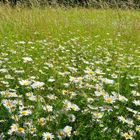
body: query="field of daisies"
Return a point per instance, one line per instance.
(70, 74)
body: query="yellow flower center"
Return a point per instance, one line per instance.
(9, 104)
(26, 83)
(24, 113)
(127, 136)
(20, 129)
(109, 100)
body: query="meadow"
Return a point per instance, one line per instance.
(69, 73)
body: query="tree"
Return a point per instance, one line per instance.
(12, 2)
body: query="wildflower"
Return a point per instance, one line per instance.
(66, 85)
(29, 94)
(129, 122)
(31, 97)
(72, 118)
(25, 112)
(101, 93)
(75, 133)
(67, 130)
(89, 71)
(132, 110)
(32, 130)
(29, 123)
(42, 121)
(124, 120)
(99, 71)
(76, 79)
(109, 99)
(136, 102)
(37, 85)
(90, 100)
(121, 118)
(19, 71)
(61, 134)
(8, 94)
(75, 107)
(27, 59)
(48, 108)
(138, 117)
(2, 136)
(49, 65)
(14, 128)
(3, 71)
(98, 115)
(108, 81)
(67, 105)
(15, 117)
(48, 136)
(25, 82)
(122, 98)
(20, 42)
(51, 97)
(135, 93)
(9, 104)
(138, 128)
(20, 130)
(128, 135)
(51, 80)
(65, 92)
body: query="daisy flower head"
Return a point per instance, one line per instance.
(24, 82)
(27, 59)
(48, 136)
(42, 121)
(128, 135)
(25, 112)
(37, 85)
(20, 130)
(13, 128)
(61, 134)
(75, 107)
(67, 130)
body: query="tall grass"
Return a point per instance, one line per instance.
(24, 21)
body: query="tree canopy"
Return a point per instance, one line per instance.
(92, 3)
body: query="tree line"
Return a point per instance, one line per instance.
(86, 3)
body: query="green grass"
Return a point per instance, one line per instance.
(89, 63)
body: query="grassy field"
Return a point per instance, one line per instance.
(70, 74)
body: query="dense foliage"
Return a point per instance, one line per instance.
(87, 3)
